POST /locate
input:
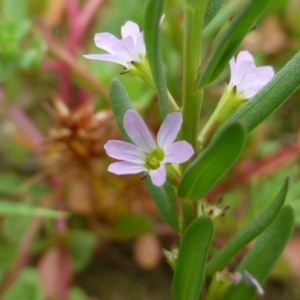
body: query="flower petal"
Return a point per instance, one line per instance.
(140, 45)
(265, 74)
(178, 152)
(169, 130)
(138, 131)
(130, 29)
(246, 74)
(242, 71)
(108, 57)
(239, 67)
(244, 56)
(125, 167)
(252, 91)
(233, 73)
(124, 151)
(248, 78)
(158, 176)
(125, 48)
(105, 41)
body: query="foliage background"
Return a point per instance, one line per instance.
(110, 245)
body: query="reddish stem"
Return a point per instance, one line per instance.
(23, 252)
(61, 225)
(78, 24)
(26, 125)
(65, 273)
(63, 56)
(84, 20)
(64, 81)
(72, 13)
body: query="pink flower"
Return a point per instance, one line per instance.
(246, 78)
(147, 155)
(130, 48)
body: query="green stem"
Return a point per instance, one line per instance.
(194, 11)
(142, 69)
(216, 289)
(172, 102)
(229, 103)
(187, 215)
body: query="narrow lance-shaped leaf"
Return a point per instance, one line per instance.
(120, 103)
(213, 7)
(192, 256)
(213, 162)
(153, 50)
(26, 286)
(267, 100)
(261, 258)
(165, 200)
(248, 233)
(8, 208)
(229, 41)
(164, 196)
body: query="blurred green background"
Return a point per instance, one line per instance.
(68, 228)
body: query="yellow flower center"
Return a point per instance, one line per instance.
(154, 158)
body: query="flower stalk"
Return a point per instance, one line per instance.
(227, 105)
(142, 69)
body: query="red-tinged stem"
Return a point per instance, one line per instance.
(26, 126)
(53, 65)
(246, 171)
(23, 252)
(65, 84)
(83, 22)
(79, 22)
(2, 96)
(61, 224)
(72, 10)
(63, 56)
(65, 88)
(65, 274)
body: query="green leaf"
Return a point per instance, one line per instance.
(275, 93)
(212, 163)
(248, 233)
(15, 9)
(8, 255)
(120, 103)
(76, 293)
(81, 245)
(153, 49)
(193, 251)
(278, 6)
(263, 255)
(217, 26)
(165, 200)
(13, 184)
(8, 208)
(229, 41)
(27, 286)
(10, 183)
(213, 7)
(163, 196)
(14, 228)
